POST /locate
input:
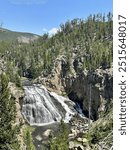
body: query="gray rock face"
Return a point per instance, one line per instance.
(92, 89)
(25, 39)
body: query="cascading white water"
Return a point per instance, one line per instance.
(41, 107)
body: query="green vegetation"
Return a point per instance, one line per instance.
(28, 138)
(87, 41)
(60, 142)
(100, 134)
(90, 39)
(8, 132)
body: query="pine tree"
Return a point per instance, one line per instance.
(28, 141)
(7, 115)
(61, 141)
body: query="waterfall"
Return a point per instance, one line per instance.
(41, 107)
(80, 111)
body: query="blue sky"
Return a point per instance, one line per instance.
(40, 16)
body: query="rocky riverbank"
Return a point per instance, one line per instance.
(77, 128)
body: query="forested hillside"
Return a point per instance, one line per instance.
(76, 62)
(91, 38)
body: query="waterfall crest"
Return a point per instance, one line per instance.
(41, 107)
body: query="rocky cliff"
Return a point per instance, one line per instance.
(93, 90)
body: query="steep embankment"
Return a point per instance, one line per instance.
(92, 89)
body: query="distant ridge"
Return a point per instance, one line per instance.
(24, 37)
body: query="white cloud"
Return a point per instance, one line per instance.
(53, 31)
(27, 2)
(50, 32)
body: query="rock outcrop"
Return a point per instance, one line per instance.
(92, 89)
(18, 94)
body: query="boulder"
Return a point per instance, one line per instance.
(71, 145)
(79, 147)
(47, 132)
(38, 137)
(85, 142)
(79, 139)
(74, 146)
